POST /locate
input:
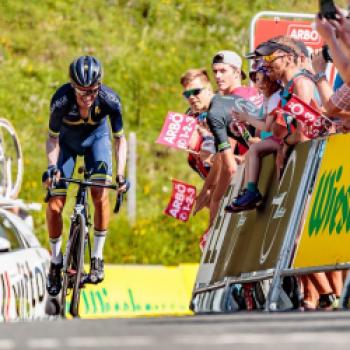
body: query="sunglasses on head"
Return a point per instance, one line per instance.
(90, 92)
(192, 92)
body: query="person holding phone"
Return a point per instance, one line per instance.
(335, 32)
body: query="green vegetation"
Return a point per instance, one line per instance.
(145, 45)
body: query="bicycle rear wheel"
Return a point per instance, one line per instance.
(73, 271)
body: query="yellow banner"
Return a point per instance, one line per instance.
(325, 238)
(140, 290)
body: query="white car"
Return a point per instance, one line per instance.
(24, 265)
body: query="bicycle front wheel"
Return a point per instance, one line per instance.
(74, 266)
(79, 265)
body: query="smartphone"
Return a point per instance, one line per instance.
(328, 9)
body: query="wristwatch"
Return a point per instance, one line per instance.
(318, 76)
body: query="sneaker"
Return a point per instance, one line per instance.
(307, 305)
(327, 301)
(97, 274)
(248, 200)
(54, 279)
(240, 194)
(230, 207)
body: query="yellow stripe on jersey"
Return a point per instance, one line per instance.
(119, 133)
(54, 133)
(101, 177)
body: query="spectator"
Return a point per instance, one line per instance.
(228, 73)
(281, 60)
(199, 93)
(334, 103)
(336, 34)
(270, 90)
(227, 68)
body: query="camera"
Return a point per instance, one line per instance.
(326, 54)
(328, 9)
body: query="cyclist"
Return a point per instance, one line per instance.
(78, 127)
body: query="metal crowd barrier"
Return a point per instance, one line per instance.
(302, 227)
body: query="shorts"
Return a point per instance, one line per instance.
(97, 152)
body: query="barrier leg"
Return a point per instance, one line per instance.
(345, 295)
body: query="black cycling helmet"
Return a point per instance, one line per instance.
(85, 71)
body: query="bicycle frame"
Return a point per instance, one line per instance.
(73, 266)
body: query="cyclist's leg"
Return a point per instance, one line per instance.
(66, 161)
(99, 159)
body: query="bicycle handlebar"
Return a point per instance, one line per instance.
(88, 183)
(120, 195)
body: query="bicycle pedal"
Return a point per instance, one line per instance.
(84, 279)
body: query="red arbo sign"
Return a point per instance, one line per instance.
(267, 28)
(305, 33)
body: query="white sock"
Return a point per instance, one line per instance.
(56, 254)
(99, 242)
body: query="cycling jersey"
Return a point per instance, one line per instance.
(65, 112)
(88, 137)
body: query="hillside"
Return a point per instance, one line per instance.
(145, 45)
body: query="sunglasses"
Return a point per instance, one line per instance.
(271, 58)
(192, 92)
(90, 92)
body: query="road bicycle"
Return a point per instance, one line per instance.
(74, 276)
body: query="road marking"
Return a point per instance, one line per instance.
(7, 344)
(43, 343)
(105, 342)
(293, 338)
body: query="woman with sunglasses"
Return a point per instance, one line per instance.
(78, 127)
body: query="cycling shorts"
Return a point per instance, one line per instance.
(97, 152)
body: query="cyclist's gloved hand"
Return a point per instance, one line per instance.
(49, 174)
(123, 184)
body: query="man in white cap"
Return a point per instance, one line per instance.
(228, 73)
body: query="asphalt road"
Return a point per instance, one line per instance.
(319, 330)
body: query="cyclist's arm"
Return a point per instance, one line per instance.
(120, 147)
(57, 110)
(52, 150)
(112, 100)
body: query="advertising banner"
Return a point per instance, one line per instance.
(218, 234)
(140, 290)
(325, 237)
(177, 130)
(181, 201)
(251, 241)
